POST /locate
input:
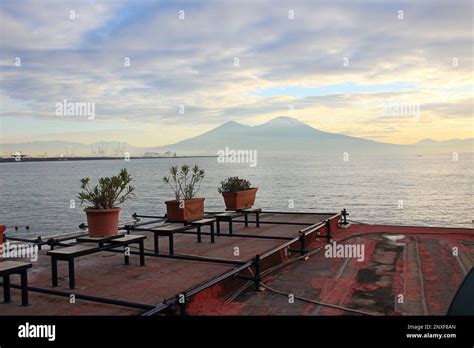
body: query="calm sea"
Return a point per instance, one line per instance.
(411, 190)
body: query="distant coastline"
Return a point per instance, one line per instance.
(64, 159)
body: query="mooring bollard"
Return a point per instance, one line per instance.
(344, 215)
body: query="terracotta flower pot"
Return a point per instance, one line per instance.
(2, 229)
(240, 199)
(102, 222)
(185, 210)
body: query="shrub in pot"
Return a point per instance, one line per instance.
(237, 193)
(185, 183)
(103, 213)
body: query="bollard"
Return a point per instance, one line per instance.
(344, 215)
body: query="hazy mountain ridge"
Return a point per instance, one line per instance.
(281, 135)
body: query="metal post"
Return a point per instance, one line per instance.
(24, 287)
(182, 306)
(6, 288)
(257, 219)
(230, 227)
(257, 272)
(157, 246)
(142, 253)
(246, 217)
(328, 230)
(212, 233)
(171, 244)
(54, 271)
(72, 275)
(199, 234)
(126, 257)
(302, 242)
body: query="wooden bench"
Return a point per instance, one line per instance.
(69, 254)
(230, 215)
(128, 239)
(8, 268)
(204, 222)
(86, 247)
(168, 230)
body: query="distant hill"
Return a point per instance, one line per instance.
(281, 135)
(285, 135)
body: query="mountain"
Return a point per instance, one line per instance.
(286, 135)
(281, 135)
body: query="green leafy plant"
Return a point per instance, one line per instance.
(234, 184)
(109, 192)
(185, 182)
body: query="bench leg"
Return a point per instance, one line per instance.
(157, 245)
(246, 220)
(125, 256)
(24, 287)
(6, 289)
(142, 253)
(218, 224)
(54, 272)
(230, 227)
(72, 275)
(212, 233)
(257, 219)
(199, 234)
(171, 244)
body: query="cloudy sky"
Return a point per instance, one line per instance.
(161, 71)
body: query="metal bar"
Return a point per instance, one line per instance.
(144, 223)
(276, 223)
(189, 258)
(105, 300)
(295, 213)
(135, 215)
(241, 235)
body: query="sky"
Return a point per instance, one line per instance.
(157, 72)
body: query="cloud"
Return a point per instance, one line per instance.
(192, 61)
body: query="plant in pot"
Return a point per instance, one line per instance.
(185, 183)
(238, 193)
(103, 213)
